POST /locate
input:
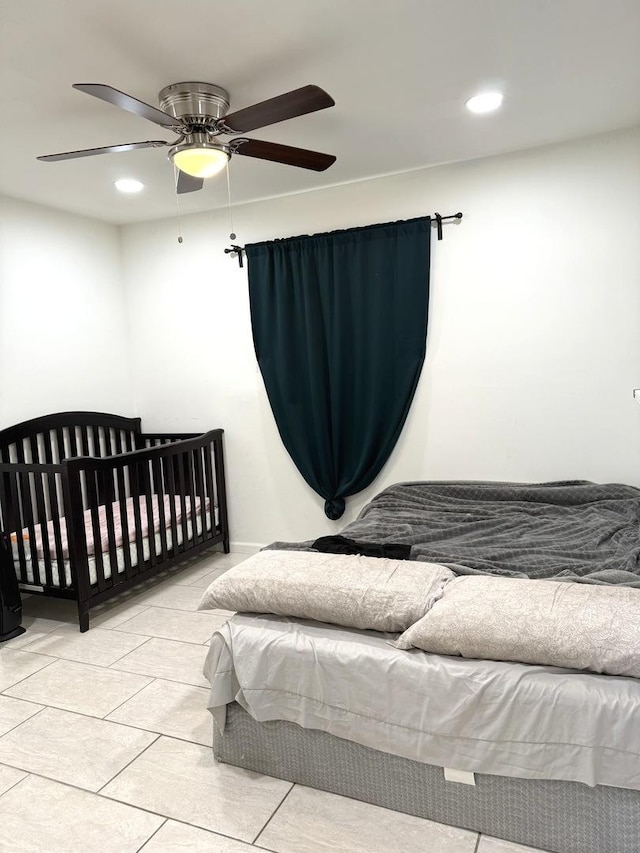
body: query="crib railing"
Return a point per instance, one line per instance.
(42, 504)
(185, 475)
(78, 496)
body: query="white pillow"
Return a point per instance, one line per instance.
(580, 626)
(344, 589)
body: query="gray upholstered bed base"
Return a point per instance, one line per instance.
(563, 817)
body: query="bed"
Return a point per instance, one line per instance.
(538, 754)
(94, 506)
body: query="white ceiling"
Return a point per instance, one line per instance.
(399, 71)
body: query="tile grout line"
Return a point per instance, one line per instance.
(273, 814)
(117, 660)
(20, 680)
(218, 832)
(124, 621)
(140, 849)
(124, 702)
(17, 726)
(475, 849)
(122, 769)
(15, 784)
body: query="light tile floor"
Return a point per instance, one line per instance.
(105, 744)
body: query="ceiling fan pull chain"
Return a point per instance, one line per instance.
(232, 235)
(175, 179)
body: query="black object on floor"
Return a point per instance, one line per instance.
(10, 601)
(342, 545)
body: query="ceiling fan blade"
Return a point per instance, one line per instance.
(108, 149)
(308, 99)
(301, 157)
(187, 183)
(127, 102)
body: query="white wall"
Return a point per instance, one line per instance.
(63, 339)
(534, 336)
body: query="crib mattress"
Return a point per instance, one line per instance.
(508, 719)
(35, 579)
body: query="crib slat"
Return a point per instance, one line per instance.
(182, 486)
(57, 533)
(134, 479)
(73, 444)
(48, 446)
(191, 492)
(27, 518)
(44, 527)
(171, 488)
(93, 491)
(208, 471)
(124, 522)
(95, 435)
(148, 499)
(195, 507)
(60, 444)
(159, 490)
(84, 440)
(111, 539)
(108, 448)
(200, 493)
(35, 450)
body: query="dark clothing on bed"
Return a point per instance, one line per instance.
(342, 545)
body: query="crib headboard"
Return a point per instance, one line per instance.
(54, 438)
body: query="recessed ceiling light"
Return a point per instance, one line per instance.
(484, 103)
(128, 185)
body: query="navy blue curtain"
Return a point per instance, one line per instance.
(339, 326)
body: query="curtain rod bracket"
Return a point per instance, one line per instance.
(438, 225)
(236, 252)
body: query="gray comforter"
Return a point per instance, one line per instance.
(573, 530)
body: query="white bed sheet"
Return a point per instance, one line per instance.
(93, 576)
(508, 719)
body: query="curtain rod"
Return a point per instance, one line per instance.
(436, 219)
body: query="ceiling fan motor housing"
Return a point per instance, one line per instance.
(195, 103)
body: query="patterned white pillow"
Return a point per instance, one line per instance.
(343, 589)
(580, 626)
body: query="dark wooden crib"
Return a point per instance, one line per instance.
(94, 506)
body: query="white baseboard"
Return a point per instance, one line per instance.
(245, 547)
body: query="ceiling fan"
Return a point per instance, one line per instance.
(197, 112)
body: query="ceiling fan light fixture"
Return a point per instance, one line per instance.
(200, 162)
